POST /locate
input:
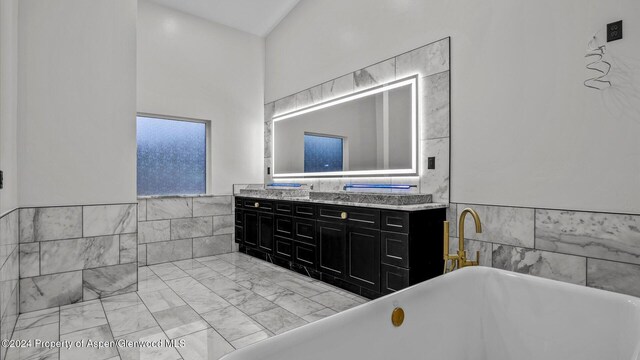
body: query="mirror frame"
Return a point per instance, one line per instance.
(413, 171)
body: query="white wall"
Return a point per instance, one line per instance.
(193, 68)
(76, 102)
(8, 103)
(525, 131)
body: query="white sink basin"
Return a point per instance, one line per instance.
(472, 314)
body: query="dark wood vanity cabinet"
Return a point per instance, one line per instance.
(364, 250)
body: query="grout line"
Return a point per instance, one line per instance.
(109, 326)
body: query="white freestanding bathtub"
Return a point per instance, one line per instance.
(474, 313)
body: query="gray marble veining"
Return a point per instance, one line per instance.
(281, 194)
(337, 87)
(472, 247)
(614, 276)
(295, 303)
(169, 208)
(278, 320)
(9, 228)
(435, 181)
(179, 321)
(545, 264)
(169, 251)
(153, 231)
(142, 210)
(231, 323)
(452, 218)
(128, 248)
(597, 235)
(503, 225)
(76, 254)
(47, 291)
(371, 197)
(191, 227)
(285, 105)
(130, 319)
(427, 60)
(212, 206)
(109, 280)
(436, 106)
(109, 219)
(224, 224)
(29, 259)
(212, 245)
(40, 224)
(309, 97)
(81, 316)
(268, 138)
(380, 73)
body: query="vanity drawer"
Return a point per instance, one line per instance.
(258, 204)
(304, 210)
(283, 226)
(393, 278)
(394, 249)
(396, 221)
(283, 247)
(304, 230)
(239, 216)
(283, 208)
(304, 254)
(361, 217)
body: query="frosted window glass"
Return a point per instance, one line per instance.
(322, 153)
(171, 157)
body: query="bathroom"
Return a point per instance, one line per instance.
(527, 113)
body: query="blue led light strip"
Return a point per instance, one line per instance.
(378, 186)
(285, 184)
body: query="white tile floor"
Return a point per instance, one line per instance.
(214, 304)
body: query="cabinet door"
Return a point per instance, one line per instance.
(265, 232)
(363, 257)
(331, 245)
(304, 254)
(250, 234)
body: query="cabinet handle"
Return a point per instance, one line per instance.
(343, 215)
(256, 204)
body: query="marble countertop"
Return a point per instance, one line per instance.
(414, 207)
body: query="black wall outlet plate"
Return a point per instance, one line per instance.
(431, 163)
(614, 31)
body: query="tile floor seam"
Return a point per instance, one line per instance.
(189, 305)
(110, 330)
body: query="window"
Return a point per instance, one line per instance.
(322, 153)
(172, 157)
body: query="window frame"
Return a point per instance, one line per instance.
(207, 130)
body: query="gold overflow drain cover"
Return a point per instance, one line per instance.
(397, 316)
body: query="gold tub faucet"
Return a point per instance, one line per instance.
(459, 259)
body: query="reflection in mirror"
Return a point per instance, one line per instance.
(370, 132)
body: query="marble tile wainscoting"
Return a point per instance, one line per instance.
(600, 250)
(70, 254)
(9, 276)
(431, 62)
(185, 227)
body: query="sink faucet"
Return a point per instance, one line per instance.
(459, 259)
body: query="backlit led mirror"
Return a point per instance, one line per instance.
(372, 132)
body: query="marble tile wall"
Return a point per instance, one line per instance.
(600, 250)
(71, 254)
(431, 62)
(179, 228)
(9, 275)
